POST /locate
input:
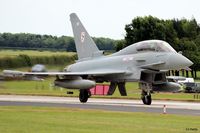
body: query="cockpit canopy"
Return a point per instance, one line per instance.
(146, 46)
(154, 45)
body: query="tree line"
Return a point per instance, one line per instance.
(183, 35)
(35, 41)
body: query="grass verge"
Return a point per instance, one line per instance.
(61, 120)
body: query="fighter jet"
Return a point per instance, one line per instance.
(145, 62)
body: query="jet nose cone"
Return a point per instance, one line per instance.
(185, 61)
(189, 62)
(178, 61)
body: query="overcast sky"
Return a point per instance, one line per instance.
(102, 18)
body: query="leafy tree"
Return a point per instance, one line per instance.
(120, 44)
(144, 29)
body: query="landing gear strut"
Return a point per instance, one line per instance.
(146, 98)
(84, 95)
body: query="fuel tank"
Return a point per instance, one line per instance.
(75, 83)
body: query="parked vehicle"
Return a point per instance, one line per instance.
(192, 87)
(179, 79)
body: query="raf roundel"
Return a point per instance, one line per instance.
(77, 24)
(82, 36)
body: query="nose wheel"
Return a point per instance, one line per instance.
(146, 98)
(83, 96)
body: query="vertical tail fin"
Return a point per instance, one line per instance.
(85, 46)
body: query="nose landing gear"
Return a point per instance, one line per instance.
(146, 98)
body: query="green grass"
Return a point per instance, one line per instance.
(45, 88)
(31, 88)
(66, 120)
(13, 53)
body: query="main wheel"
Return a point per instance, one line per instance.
(83, 96)
(146, 98)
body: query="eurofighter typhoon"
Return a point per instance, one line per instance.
(145, 62)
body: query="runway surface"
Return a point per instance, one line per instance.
(172, 107)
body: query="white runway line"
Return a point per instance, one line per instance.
(101, 101)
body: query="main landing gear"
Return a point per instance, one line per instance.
(84, 95)
(146, 97)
